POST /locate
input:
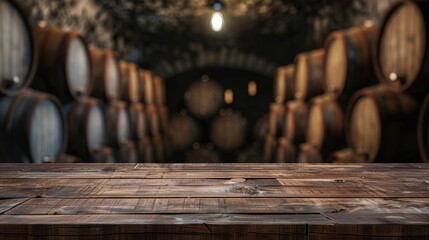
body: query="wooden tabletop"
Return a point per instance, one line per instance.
(214, 201)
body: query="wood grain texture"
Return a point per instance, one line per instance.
(214, 201)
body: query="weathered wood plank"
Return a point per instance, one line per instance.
(59, 206)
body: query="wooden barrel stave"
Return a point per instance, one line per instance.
(146, 86)
(138, 121)
(276, 119)
(309, 154)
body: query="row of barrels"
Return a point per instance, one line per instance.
(36, 128)
(227, 131)
(363, 90)
(83, 98)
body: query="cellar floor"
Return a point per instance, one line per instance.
(214, 201)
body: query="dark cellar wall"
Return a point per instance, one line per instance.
(161, 35)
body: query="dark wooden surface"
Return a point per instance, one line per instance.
(214, 201)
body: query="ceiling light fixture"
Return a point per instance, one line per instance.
(217, 17)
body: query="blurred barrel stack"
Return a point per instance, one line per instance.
(83, 104)
(359, 98)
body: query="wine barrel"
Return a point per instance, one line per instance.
(296, 121)
(309, 154)
(159, 89)
(346, 155)
(106, 75)
(402, 55)
(325, 128)
(138, 121)
(423, 130)
(18, 58)
(118, 124)
(283, 84)
(308, 80)
(32, 128)
(286, 151)
(183, 131)
(64, 64)
(228, 132)
(159, 148)
(145, 150)
(130, 82)
(163, 118)
(147, 90)
(86, 128)
(105, 155)
(127, 153)
(348, 62)
(276, 119)
(269, 149)
(381, 125)
(65, 158)
(204, 98)
(152, 113)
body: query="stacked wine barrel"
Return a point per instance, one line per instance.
(204, 101)
(32, 125)
(358, 98)
(81, 100)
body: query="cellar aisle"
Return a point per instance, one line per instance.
(214, 201)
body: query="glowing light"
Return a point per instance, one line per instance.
(393, 76)
(252, 88)
(217, 21)
(229, 96)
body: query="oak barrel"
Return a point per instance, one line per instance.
(283, 84)
(296, 121)
(118, 124)
(130, 82)
(154, 123)
(106, 75)
(138, 121)
(204, 98)
(183, 131)
(286, 151)
(276, 119)
(325, 129)
(145, 150)
(402, 48)
(348, 64)
(381, 125)
(202, 155)
(64, 64)
(423, 130)
(309, 154)
(159, 148)
(146, 86)
(32, 128)
(260, 130)
(86, 128)
(228, 131)
(308, 79)
(159, 90)
(127, 153)
(269, 149)
(18, 57)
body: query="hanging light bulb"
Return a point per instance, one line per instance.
(217, 21)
